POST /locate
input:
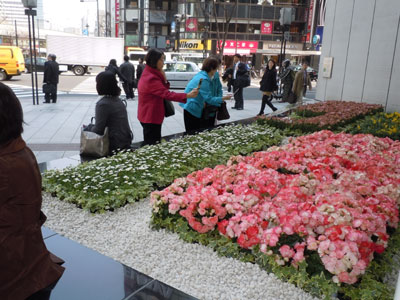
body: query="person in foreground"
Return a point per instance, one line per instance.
(193, 109)
(26, 266)
(153, 88)
(111, 112)
(267, 86)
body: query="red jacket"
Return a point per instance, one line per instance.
(25, 264)
(152, 91)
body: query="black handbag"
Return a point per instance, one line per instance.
(222, 113)
(47, 88)
(292, 98)
(209, 110)
(169, 108)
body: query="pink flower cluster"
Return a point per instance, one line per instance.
(338, 192)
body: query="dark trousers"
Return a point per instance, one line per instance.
(304, 90)
(52, 95)
(128, 88)
(266, 100)
(238, 97)
(151, 133)
(192, 123)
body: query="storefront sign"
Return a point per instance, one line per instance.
(193, 44)
(241, 46)
(277, 45)
(266, 27)
(191, 24)
(310, 21)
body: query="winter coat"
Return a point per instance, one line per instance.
(268, 81)
(298, 84)
(114, 69)
(196, 105)
(242, 76)
(128, 71)
(51, 72)
(153, 89)
(111, 112)
(25, 264)
(139, 70)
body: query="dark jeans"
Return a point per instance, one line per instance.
(192, 123)
(151, 133)
(238, 97)
(52, 95)
(304, 90)
(266, 100)
(128, 88)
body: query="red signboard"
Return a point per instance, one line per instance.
(116, 17)
(250, 45)
(191, 24)
(309, 21)
(266, 27)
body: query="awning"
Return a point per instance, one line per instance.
(288, 52)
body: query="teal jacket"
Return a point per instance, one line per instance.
(208, 93)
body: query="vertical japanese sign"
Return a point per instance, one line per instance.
(266, 27)
(116, 18)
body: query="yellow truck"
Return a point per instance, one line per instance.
(11, 62)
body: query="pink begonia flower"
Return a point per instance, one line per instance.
(286, 251)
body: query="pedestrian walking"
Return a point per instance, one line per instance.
(301, 81)
(241, 79)
(111, 112)
(128, 71)
(268, 86)
(153, 89)
(113, 68)
(287, 78)
(195, 107)
(139, 69)
(27, 267)
(50, 78)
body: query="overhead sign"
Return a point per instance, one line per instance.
(241, 45)
(191, 24)
(266, 27)
(193, 44)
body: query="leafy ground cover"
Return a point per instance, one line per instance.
(323, 115)
(109, 183)
(317, 212)
(380, 124)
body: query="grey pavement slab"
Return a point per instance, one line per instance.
(54, 130)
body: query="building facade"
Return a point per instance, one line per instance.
(360, 58)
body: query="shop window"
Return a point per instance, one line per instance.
(241, 28)
(164, 30)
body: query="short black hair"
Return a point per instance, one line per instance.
(273, 68)
(106, 84)
(218, 58)
(113, 62)
(126, 58)
(11, 115)
(209, 64)
(238, 55)
(152, 57)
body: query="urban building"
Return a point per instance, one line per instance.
(361, 52)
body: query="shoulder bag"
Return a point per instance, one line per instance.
(222, 113)
(93, 144)
(169, 108)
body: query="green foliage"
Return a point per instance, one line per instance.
(109, 183)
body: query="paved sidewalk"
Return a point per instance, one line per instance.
(53, 130)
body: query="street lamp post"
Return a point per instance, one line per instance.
(16, 33)
(30, 4)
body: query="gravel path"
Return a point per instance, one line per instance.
(125, 236)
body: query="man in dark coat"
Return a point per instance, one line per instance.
(139, 69)
(50, 78)
(240, 80)
(128, 71)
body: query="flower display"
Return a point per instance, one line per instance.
(325, 194)
(323, 115)
(380, 124)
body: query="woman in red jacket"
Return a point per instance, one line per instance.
(153, 89)
(26, 267)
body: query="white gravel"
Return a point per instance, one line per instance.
(125, 236)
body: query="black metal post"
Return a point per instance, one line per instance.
(27, 12)
(34, 55)
(16, 33)
(98, 19)
(178, 33)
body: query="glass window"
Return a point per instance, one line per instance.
(136, 56)
(242, 11)
(184, 68)
(268, 12)
(131, 27)
(169, 67)
(241, 28)
(132, 40)
(255, 12)
(132, 3)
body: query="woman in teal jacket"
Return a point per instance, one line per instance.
(193, 108)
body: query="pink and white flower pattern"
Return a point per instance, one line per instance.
(336, 191)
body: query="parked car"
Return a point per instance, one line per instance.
(179, 73)
(11, 62)
(312, 72)
(39, 64)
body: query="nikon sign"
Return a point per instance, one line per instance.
(192, 45)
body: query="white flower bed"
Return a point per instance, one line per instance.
(125, 236)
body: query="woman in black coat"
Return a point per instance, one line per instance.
(267, 86)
